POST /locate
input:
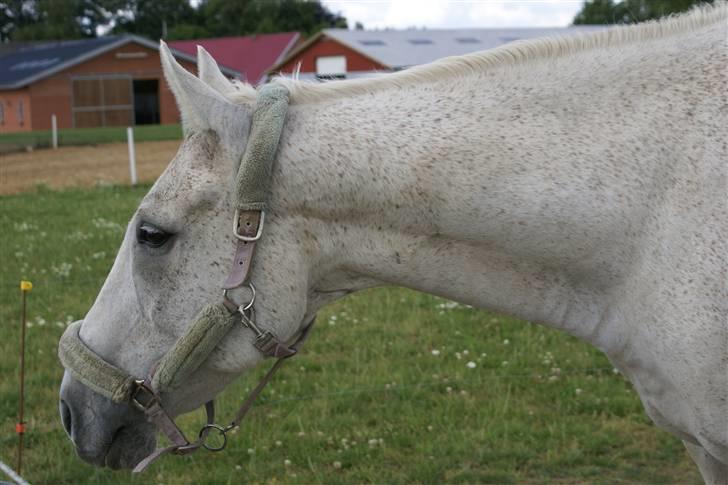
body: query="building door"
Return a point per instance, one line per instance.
(102, 101)
(146, 101)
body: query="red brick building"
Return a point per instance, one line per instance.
(108, 81)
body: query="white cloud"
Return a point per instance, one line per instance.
(400, 14)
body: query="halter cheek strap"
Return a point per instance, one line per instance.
(214, 321)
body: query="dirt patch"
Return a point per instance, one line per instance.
(83, 166)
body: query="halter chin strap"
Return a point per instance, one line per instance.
(215, 320)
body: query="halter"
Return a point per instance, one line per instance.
(215, 320)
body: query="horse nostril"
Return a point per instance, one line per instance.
(65, 416)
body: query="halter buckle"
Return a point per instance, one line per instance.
(236, 227)
(149, 398)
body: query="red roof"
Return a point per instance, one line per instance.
(251, 55)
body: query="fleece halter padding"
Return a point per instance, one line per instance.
(182, 360)
(90, 369)
(255, 173)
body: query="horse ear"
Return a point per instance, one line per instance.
(209, 72)
(201, 106)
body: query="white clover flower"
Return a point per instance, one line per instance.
(337, 465)
(251, 451)
(506, 342)
(435, 352)
(471, 365)
(578, 391)
(287, 462)
(63, 270)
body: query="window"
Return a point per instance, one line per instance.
(420, 41)
(331, 67)
(2, 113)
(467, 40)
(372, 42)
(21, 113)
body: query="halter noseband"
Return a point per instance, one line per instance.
(215, 320)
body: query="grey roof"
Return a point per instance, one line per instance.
(29, 64)
(398, 49)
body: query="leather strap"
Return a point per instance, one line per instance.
(247, 224)
(180, 445)
(292, 350)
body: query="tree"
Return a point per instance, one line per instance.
(156, 19)
(54, 19)
(241, 17)
(630, 11)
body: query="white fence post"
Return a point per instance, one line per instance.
(54, 129)
(132, 155)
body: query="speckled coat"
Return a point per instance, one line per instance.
(581, 184)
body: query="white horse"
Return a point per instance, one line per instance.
(579, 182)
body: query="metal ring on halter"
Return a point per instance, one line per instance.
(243, 308)
(220, 430)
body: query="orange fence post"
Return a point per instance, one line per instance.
(25, 287)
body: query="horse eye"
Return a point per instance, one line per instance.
(151, 236)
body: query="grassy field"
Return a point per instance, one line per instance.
(392, 387)
(90, 136)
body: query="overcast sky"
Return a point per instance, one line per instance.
(450, 14)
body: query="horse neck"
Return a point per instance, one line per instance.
(479, 190)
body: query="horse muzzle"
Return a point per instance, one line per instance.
(103, 432)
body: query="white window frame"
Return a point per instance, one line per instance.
(333, 66)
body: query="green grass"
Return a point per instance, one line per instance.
(91, 136)
(366, 401)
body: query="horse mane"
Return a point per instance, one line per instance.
(507, 55)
